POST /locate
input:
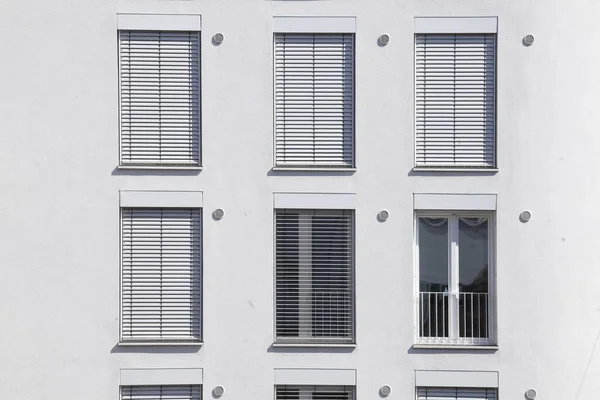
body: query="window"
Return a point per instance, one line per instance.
(445, 393)
(455, 264)
(314, 100)
(175, 392)
(455, 100)
(159, 98)
(314, 276)
(285, 392)
(161, 274)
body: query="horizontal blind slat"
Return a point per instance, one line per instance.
(314, 77)
(160, 97)
(455, 100)
(161, 274)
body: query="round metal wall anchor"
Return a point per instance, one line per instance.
(530, 394)
(218, 38)
(385, 390)
(218, 391)
(218, 214)
(525, 216)
(528, 40)
(383, 39)
(383, 215)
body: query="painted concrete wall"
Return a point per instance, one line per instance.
(59, 261)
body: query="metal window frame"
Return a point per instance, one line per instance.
(175, 166)
(453, 270)
(493, 167)
(316, 167)
(122, 342)
(296, 343)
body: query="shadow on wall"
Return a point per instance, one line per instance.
(308, 349)
(153, 349)
(305, 172)
(413, 350)
(154, 172)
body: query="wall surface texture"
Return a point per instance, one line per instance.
(59, 208)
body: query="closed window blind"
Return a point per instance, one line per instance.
(160, 97)
(444, 393)
(285, 392)
(179, 392)
(456, 100)
(161, 274)
(314, 100)
(314, 276)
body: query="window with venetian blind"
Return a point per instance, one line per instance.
(159, 98)
(455, 100)
(161, 274)
(314, 276)
(314, 100)
(448, 393)
(288, 392)
(161, 392)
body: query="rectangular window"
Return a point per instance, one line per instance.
(159, 98)
(445, 393)
(285, 392)
(161, 392)
(314, 276)
(314, 100)
(455, 263)
(455, 100)
(161, 274)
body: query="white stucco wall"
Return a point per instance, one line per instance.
(59, 261)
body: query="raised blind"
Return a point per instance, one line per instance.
(286, 392)
(314, 100)
(455, 100)
(175, 392)
(161, 274)
(314, 276)
(160, 98)
(444, 393)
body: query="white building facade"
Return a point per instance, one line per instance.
(293, 200)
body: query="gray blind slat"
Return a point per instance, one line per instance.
(160, 97)
(314, 276)
(455, 100)
(314, 100)
(446, 393)
(161, 274)
(175, 392)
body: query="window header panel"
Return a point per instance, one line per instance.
(159, 22)
(161, 376)
(470, 379)
(456, 25)
(346, 377)
(136, 198)
(314, 24)
(315, 201)
(454, 202)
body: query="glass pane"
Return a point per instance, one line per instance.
(473, 277)
(433, 254)
(473, 254)
(433, 271)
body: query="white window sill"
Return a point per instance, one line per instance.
(161, 167)
(319, 169)
(474, 170)
(455, 346)
(139, 344)
(315, 345)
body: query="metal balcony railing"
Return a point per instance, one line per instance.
(454, 318)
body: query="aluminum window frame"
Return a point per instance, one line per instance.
(297, 343)
(453, 269)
